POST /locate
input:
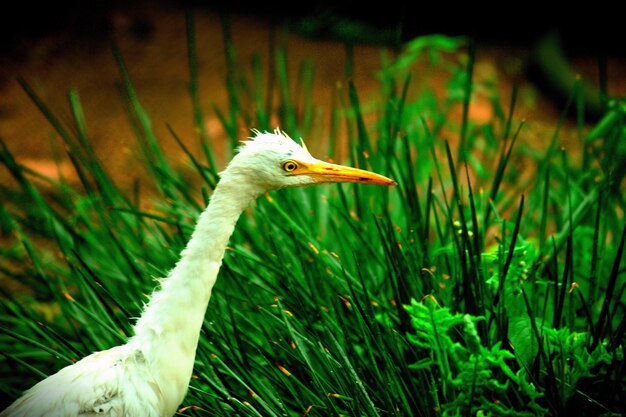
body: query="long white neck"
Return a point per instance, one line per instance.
(168, 330)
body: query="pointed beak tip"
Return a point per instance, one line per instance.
(384, 181)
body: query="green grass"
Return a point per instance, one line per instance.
(467, 290)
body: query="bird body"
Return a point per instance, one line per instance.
(113, 382)
(149, 375)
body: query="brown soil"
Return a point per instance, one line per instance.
(157, 61)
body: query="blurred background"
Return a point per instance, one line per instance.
(58, 46)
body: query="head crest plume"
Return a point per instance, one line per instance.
(265, 135)
(276, 137)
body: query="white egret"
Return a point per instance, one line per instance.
(149, 375)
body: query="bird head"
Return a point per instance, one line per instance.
(272, 160)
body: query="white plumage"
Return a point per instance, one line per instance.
(149, 375)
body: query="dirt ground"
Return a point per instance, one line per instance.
(152, 41)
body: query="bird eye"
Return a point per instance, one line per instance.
(289, 166)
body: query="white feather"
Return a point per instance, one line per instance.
(149, 375)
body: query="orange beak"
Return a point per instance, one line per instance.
(327, 172)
